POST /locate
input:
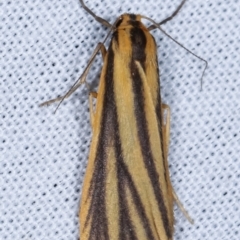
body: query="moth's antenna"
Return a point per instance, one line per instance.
(97, 18)
(83, 76)
(154, 26)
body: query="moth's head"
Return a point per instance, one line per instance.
(128, 19)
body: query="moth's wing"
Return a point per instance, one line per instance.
(125, 190)
(93, 207)
(144, 154)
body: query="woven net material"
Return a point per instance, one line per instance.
(45, 46)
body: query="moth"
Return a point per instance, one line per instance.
(127, 191)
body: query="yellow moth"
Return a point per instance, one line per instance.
(127, 192)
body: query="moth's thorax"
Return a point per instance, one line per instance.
(132, 39)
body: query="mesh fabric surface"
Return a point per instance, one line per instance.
(45, 46)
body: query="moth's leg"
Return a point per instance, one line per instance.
(80, 81)
(166, 136)
(165, 113)
(91, 108)
(166, 128)
(94, 94)
(103, 51)
(181, 207)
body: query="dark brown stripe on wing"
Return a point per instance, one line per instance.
(143, 131)
(97, 213)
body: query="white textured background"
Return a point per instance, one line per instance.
(44, 46)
